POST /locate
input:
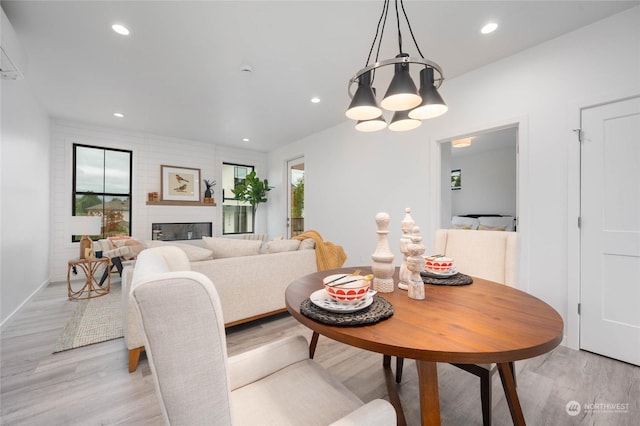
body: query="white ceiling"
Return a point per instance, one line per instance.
(178, 73)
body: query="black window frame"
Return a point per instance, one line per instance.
(74, 193)
(226, 198)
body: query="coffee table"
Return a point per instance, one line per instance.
(480, 323)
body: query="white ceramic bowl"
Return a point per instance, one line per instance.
(438, 264)
(355, 289)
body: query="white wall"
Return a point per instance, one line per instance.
(149, 153)
(488, 182)
(24, 197)
(351, 176)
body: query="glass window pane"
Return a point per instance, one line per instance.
(116, 216)
(89, 169)
(116, 172)
(237, 215)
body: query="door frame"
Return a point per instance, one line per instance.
(574, 114)
(522, 193)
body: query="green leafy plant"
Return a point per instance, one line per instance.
(252, 191)
(297, 207)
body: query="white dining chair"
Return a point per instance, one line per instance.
(180, 316)
(491, 255)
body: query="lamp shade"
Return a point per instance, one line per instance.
(402, 93)
(372, 125)
(432, 104)
(364, 105)
(86, 225)
(402, 122)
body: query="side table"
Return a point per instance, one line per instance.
(91, 286)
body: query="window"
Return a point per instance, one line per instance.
(102, 187)
(237, 216)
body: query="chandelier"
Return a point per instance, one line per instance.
(408, 104)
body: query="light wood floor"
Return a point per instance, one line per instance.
(91, 385)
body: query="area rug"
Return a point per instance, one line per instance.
(93, 321)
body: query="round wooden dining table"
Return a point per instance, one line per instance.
(481, 323)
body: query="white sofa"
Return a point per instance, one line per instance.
(250, 286)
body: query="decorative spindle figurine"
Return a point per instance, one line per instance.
(383, 266)
(406, 226)
(415, 264)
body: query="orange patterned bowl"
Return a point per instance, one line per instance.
(348, 289)
(438, 264)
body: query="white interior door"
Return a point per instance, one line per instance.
(610, 230)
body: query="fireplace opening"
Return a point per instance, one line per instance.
(181, 231)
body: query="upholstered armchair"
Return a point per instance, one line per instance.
(175, 259)
(180, 316)
(491, 255)
(120, 256)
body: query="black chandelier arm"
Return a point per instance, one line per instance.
(398, 60)
(398, 24)
(410, 29)
(383, 20)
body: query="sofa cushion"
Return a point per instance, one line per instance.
(194, 253)
(231, 247)
(277, 246)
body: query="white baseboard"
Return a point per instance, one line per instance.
(11, 316)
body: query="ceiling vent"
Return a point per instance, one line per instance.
(12, 58)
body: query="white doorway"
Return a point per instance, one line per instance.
(486, 165)
(610, 230)
(295, 197)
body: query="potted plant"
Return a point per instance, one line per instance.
(253, 191)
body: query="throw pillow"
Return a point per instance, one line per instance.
(307, 244)
(492, 228)
(231, 247)
(457, 221)
(136, 248)
(194, 253)
(460, 226)
(278, 246)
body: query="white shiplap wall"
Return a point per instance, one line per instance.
(149, 153)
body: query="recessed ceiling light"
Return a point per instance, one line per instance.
(118, 114)
(315, 100)
(489, 28)
(245, 139)
(120, 29)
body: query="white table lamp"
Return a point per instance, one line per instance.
(85, 226)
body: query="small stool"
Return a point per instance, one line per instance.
(91, 286)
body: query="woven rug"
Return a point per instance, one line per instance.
(93, 321)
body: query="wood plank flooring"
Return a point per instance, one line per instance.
(91, 385)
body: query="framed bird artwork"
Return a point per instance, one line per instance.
(180, 183)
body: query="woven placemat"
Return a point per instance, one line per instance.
(457, 279)
(379, 310)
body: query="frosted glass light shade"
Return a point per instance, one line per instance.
(402, 122)
(373, 125)
(402, 93)
(432, 104)
(364, 105)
